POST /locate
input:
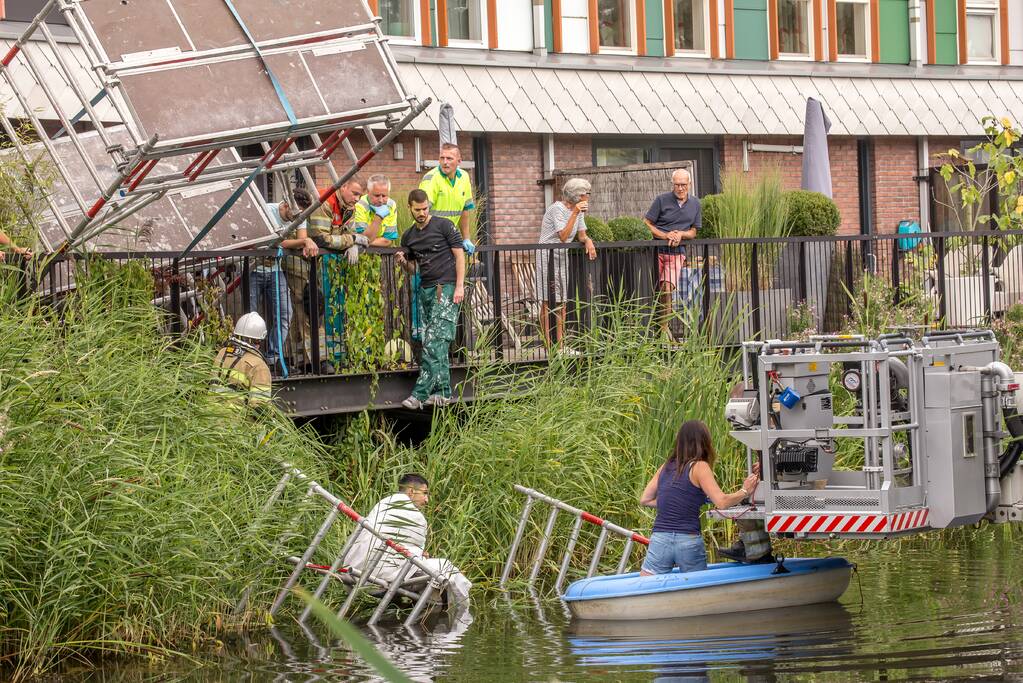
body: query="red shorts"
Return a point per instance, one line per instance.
(669, 268)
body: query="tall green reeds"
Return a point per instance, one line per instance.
(127, 492)
(591, 432)
(751, 210)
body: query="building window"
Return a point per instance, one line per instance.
(852, 19)
(614, 23)
(621, 156)
(399, 18)
(465, 20)
(794, 28)
(690, 25)
(981, 33)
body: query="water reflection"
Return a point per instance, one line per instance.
(925, 613)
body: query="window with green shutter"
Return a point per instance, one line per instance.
(946, 47)
(655, 29)
(893, 31)
(750, 29)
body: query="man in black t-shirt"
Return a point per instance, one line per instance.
(435, 246)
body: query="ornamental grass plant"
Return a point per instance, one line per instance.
(130, 496)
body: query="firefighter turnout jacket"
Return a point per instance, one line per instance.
(243, 377)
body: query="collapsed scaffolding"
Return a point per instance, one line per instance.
(190, 82)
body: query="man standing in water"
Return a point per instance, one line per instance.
(400, 518)
(434, 245)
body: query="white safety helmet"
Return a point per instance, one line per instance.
(250, 326)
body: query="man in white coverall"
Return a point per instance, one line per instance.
(399, 517)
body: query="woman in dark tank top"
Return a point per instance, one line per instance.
(680, 487)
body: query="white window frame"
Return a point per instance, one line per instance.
(471, 44)
(707, 28)
(868, 36)
(980, 7)
(807, 56)
(417, 29)
(633, 35)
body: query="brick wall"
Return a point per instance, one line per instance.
(573, 151)
(896, 192)
(516, 200)
(841, 152)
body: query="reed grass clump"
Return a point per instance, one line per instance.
(591, 432)
(128, 494)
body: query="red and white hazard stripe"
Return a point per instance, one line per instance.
(847, 523)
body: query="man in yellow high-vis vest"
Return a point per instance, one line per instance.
(450, 192)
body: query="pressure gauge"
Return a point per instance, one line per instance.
(851, 381)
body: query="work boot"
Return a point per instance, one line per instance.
(438, 401)
(736, 553)
(412, 403)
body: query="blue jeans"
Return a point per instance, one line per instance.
(668, 550)
(263, 301)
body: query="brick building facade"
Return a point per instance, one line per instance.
(516, 197)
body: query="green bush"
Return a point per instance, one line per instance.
(811, 214)
(598, 230)
(711, 208)
(628, 229)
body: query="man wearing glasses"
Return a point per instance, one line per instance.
(400, 517)
(674, 216)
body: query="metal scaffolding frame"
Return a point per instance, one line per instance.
(275, 74)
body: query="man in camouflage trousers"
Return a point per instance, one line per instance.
(435, 246)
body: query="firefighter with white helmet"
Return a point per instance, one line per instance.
(242, 373)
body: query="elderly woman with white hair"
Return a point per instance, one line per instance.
(563, 222)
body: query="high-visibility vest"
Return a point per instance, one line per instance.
(448, 198)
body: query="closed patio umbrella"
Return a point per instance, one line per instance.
(816, 165)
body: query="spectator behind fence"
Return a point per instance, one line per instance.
(332, 226)
(563, 221)
(376, 214)
(268, 286)
(450, 192)
(674, 216)
(433, 243)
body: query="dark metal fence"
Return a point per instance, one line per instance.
(523, 302)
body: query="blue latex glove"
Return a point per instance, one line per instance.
(469, 247)
(384, 210)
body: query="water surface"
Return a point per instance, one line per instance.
(912, 612)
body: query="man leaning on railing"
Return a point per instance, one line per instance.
(268, 293)
(674, 216)
(434, 244)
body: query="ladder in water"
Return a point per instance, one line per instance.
(422, 589)
(607, 529)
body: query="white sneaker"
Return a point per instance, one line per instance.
(412, 403)
(438, 401)
(569, 351)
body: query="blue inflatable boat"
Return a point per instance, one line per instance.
(719, 589)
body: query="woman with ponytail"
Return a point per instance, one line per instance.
(680, 487)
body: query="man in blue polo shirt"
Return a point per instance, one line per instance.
(674, 216)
